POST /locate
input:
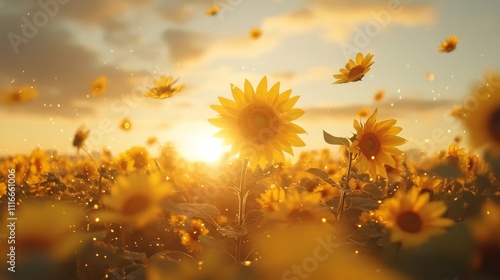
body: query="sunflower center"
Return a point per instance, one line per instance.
(494, 125)
(259, 123)
(356, 73)
(370, 145)
(136, 204)
(410, 221)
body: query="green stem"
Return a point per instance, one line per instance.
(242, 197)
(343, 192)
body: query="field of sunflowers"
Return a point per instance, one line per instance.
(360, 210)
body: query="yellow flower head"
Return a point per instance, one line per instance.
(39, 162)
(135, 200)
(80, 136)
(258, 123)
(20, 95)
(49, 229)
(138, 156)
(126, 124)
(212, 11)
(355, 70)
(364, 112)
(449, 44)
(98, 87)
(255, 33)
(299, 208)
(379, 95)
(375, 143)
(412, 219)
(190, 237)
(271, 198)
(483, 121)
(164, 88)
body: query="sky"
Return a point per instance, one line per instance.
(61, 46)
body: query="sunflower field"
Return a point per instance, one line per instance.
(360, 210)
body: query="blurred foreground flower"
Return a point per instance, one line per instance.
(354, 71)
(483, 120)
(135, 200)
(412, 219)
(20, 95)
(47, 231)
(98, 87)
(258, 123)
(375, 144)
(449, 44)
(80, 136)
(164, 88)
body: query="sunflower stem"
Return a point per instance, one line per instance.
(241, 210)
(343, 192)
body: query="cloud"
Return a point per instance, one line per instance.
(405, 109)
(185, 46)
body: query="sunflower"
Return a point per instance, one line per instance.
(483, 121)
(47, 229)
(213, 10)
(164, 88)
(379, 95)
(126, 124)
(271, 199)
(98, 87)
(80, 136)
(412, 218)
(135, 199)
(300, 208)
(355, 71)
(255, 33)
(395, 173)
(449, 44)
(39, 162)
(190, 238)
(20, 95)
(375, 144)
(258, 123)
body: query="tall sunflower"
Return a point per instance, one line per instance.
(375, 144)
(355, 70)
(412, 218)
(258, 123)
(483, 121)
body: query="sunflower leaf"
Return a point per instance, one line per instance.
(334, 140)
(203, 211)
(323, 176)
(373, 190)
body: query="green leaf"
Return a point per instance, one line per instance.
(373, 190)
(229, 231)
(323, 176)
(198, 210)
(363, 203)
(365, 234)
(333, 140)
(260, 174)
(253, 218)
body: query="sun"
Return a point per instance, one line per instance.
(208, 149)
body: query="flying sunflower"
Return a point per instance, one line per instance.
(483, 121)
(18, 96)
(375, 144)
(355, 71)
(164, 88)
(258, 123)
(98, 87)
(412, 218)
(449, 44)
